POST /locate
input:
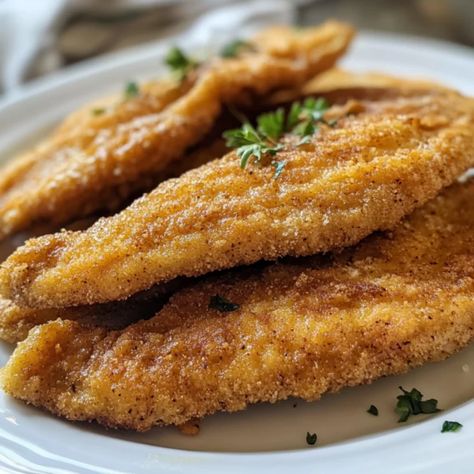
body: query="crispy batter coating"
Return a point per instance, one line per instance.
(337, 78)
(31, 180)
(303, 328)
(94, 162)
(390, 155)
(16, 321)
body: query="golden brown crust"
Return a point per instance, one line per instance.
(16, 321)
(303, 328)
(365, 174)
(339, 85)
(337, 78)
(92, 162)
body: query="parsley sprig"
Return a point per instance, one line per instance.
(234, 48)
(251, 143)
(179, 63)
(302, 119)
(412, 403)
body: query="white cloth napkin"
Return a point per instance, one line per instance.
(39, 36)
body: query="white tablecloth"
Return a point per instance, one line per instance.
(39, 36)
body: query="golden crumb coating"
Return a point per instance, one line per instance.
(390, 155)
(16, 321)
(37, 174)
(96, 160)
(302, 328)
(337, 78)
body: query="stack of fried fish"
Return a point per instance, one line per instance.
(324, 242)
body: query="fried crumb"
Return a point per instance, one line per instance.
(190, 428)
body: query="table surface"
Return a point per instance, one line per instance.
(450, 20)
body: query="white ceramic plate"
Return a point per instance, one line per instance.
(264, 438)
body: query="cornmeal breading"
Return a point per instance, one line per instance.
(94, 162)
(378, 163)
(337, 78)
(16, 321)
(302, 328)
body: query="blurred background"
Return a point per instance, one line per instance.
(38, 37)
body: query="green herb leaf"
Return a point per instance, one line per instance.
(304, 129)
(403, 409)
(429, 406)
(279, 165)
(412, 403)
(311, 438)
(131, 90)
(234, 48)
(222, 304)
(98, 111)
(304, 140)
(452, 426)
(316, 107)
(179, 63)
(272, 124)
(373, 410)
(249, 143)
(246, 135)
(293, 115)
(303, 119)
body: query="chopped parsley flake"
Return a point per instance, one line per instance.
(373, 410)
(412, 403)
(451, 426)
(222, 304)
(179, 63)
(131, 90)
(311, 438)
(98, 111)
(304, 141)
(279, 165)
(234, 48)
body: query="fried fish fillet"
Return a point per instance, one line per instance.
(301, 328)
(337, 78)
(16, 321)
(390, 155)
(96, 161)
